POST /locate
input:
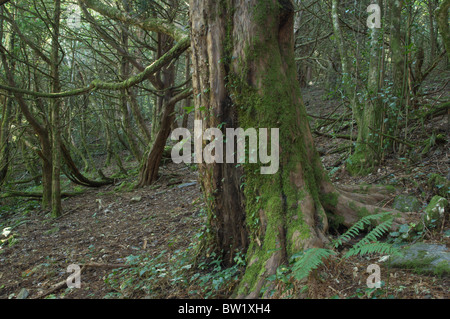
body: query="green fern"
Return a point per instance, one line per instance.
(376, 233)
(310, 260)
(371, 248)
(370, 245)
(358, 227)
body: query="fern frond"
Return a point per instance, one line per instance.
(370, 245)
(372, 248)
(376, 233)
(310, 260)
(357, 227)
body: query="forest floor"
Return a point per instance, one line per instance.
(102, 227)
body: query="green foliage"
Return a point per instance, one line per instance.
(372, 293)
(125, 187)
(442, 268)
(372, 248)
(359, 226)
(156, 276)
(439, 184)
(309, 260)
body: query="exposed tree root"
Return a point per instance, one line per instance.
(75, 175)
(349, 203)
(354, 202)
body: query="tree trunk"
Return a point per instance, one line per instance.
(150, 168)
(55, 117)
(433, 38)
(245, 76)
(166, 79)
(187, 103)
(125, 105)
(5, 125)
(442, 17)
(47, 170)
(41, 131)
(368, 144)
(163, 114)
(397, 49)
(356, 164)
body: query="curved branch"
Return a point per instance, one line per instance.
(151, 24)
(172, 54)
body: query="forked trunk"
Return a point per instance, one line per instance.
(245, 77)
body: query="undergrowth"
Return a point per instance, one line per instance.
(165, 275)
(304, 263)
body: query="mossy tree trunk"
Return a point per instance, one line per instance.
(125, 100)
(442, 20)
(369, 117)
(348, 86)
(245, 76)
(166, 80)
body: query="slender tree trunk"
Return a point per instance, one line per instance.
(357, 162)
(369, 119)
(397, 49)
(89, 164)
(433, 38)
(188, 101)
(5, 125)
(163, 114)
(55, 116)
(126, 109)
(47, 171)
(150, 168)
(138, 116)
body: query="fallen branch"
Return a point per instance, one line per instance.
(25, 181)
(34, 194)
(174, 183)
(407, 143)
(343, 136)
(63, 283)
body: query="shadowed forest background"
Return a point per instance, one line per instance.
(91, 90)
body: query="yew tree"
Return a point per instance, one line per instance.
(245, 77)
